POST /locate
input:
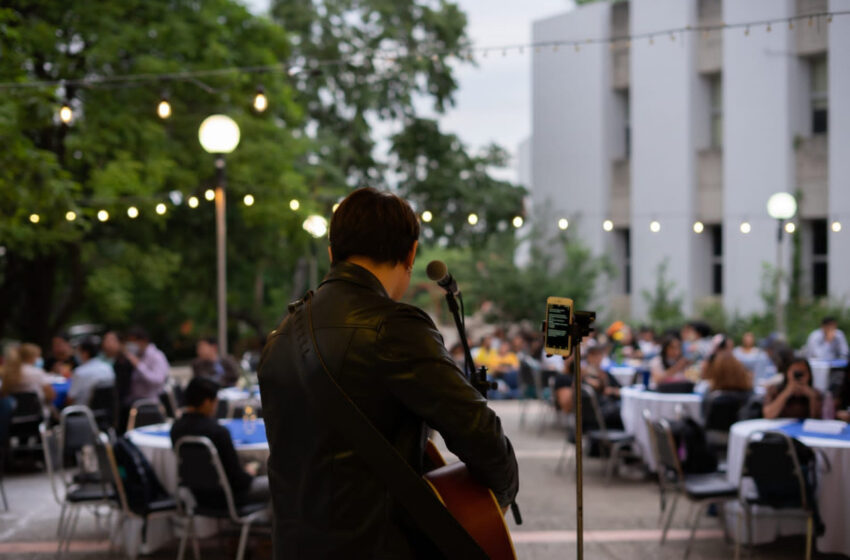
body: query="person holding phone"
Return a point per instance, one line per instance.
(794, 397)
(670, 364)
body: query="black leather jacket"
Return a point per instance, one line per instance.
(390, 359)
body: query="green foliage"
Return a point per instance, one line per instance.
(665, 307)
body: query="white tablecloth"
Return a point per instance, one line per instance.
(623, 374)
(833, 490)
(660, 405)
(820, 374)
(157, 449)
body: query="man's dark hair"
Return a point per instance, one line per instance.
(374, 224)
(595, 350)
(200, 389)
(138, 333)
(828, 321)
(89, 347)
(210, 340)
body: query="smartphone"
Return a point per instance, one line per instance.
(559, 319)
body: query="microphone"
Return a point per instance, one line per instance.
(439, 273)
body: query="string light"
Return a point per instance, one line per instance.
(651, 40)
(209, 194)
(261, 102)
(790, 25)
(248, 199)
(161, 208)
(472, 219)
(745, 227)
(35, 218)
(133, 212)
(836, 226)
(563, 223)
(427, 216)
(102, 215)
(607, 225)
(193, 202)
(66, 115)
(70, 215)
(517, 222)
(335, 206)
(790, 227)
(768, 28)
(163, 110)
(699, 227)
(747, 31)
(294, 204)
(654, 226)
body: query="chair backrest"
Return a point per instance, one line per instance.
(752, 409)
(199, 469)
(168, 399)
(28, 408)
(721, 409)
(530, 386)
(145, 412)
(77, 428)
(675, 387)
(667, 455)
(52, 459)
(653, 445)
(7, 408)
(104, 402)
(771, 460)
(591, 413)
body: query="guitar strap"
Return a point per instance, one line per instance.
(414, 494)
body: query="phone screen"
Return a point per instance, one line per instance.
(558, 326)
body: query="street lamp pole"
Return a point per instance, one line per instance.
(219, 135)
(781, 206)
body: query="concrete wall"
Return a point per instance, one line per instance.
(757, 143)
(839, 150)
(571, 98)
(664, 81)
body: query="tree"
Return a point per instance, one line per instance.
(665, 307)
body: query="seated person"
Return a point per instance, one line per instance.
(20, 374)
(842, 402)
(724, 372)
(605, 386)
(222, 369)
(670, 364)
(505, 366)
(198, 419)
(827, 342)
(794, 397)
(91, 373)
(62, 360)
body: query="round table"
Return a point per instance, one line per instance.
(155, 443)
(623, 374)
(833, 487)
(634, 400)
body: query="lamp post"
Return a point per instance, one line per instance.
(219, 135)
(780, 206)
(317, 227)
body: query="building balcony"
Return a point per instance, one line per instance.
(812, 174)
(710, 185)
(811, 37)
(621, 183)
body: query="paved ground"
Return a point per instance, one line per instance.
(620, 518)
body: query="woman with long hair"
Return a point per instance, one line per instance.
(794, 397)
(670, 364)
(724, 372)
(20, 374)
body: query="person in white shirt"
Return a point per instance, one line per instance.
(754, 358)
(828, 342)
(20, 375)
(92, 372)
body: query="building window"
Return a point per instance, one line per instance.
(716, 259)
(819, 258)
(819, 79)
(715, 85)
(626, 130)
(623, 253)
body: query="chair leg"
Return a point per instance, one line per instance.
(721, 516)
(748, 519)
(697, 515)
(243, 540)
(59, 526)
(181, 550)
(738, 535)
(669, 518)
(809, 536)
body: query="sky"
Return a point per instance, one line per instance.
(493, 100)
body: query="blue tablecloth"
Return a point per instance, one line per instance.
(236, 427)
(795, 429)
(61, 390)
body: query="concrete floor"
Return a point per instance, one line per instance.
(620, 518)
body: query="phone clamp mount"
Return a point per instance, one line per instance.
(582, 326)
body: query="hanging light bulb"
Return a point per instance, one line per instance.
(66, 115)
(164, 108)
(746, 227)
(35, 218)
(161, 208)
(248, 199)
(563, 224)
(209, 194)
(133, 212)
(836, 226)
(261, 102)
(427, 216)
(335, 206)
(70, 215)
(294, 204)
(193, 202)
(699, 227)
(768, 28)
(472, 219)
(790, 227)
(517, 222)
(607, 225)
(102, 215)
(655, 226)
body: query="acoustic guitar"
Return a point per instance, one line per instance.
(472, 504)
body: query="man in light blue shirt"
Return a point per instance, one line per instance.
(92, 373)
(827, 342)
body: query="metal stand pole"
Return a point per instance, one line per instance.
(577, 336)
(777, 308)
(221, 257)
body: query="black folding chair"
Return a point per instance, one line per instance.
(26, 419)
(104, 405)
(200, 473)
(617, 443)
(7, 407)
(720, 410)
(701, 490)
(171, 399)
(675, 387)
(780, 480)
(145, 412)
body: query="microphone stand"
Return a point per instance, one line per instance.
(477, 377)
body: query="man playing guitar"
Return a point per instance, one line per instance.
(390, 360)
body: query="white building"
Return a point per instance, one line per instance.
(696, 126)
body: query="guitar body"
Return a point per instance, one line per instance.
(473, 505)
